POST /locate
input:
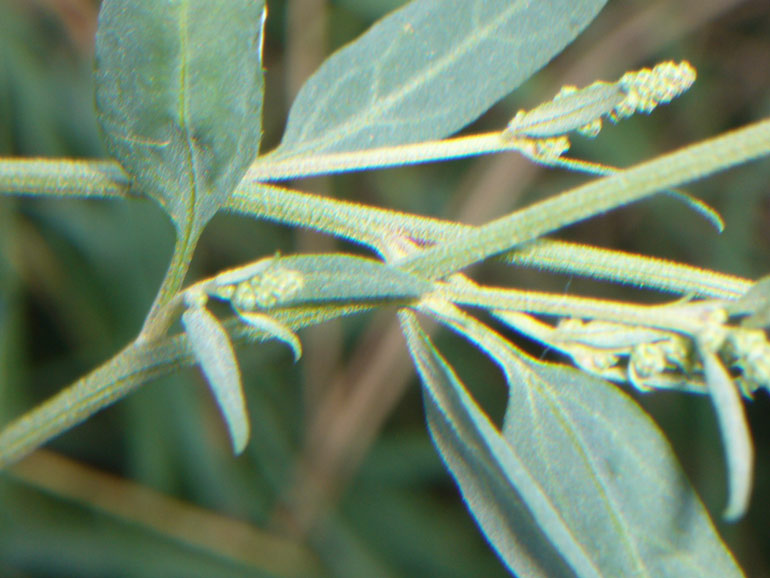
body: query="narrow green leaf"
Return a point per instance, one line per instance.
(583, 109)
(340, 277)
(568, 111)
(274, 328)
(214, 352)
(736, 437)
(427, 70)
(179, 88)
(604, 465)
(510, 506)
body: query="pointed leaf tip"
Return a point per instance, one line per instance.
(273, 328)
(571, 443)
(736, 437)
(214, 352)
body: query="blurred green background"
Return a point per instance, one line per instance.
(340, 477)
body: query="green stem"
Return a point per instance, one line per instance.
(628, 268)
(373, 226)
(135, 365)
(161, 316)
(113, 380)
(679, 318)
(665, 172)
(63, 177)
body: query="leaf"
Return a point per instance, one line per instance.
(274, 328)
(736, 437)
(507, 502)
(569, 110)
(179, 89)
(603, 465)
(427, 70)
(214, 352)
(597, 452)
(340, 277)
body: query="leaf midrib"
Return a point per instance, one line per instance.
(622, 523)
(183, 115)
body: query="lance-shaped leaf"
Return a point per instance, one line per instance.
(736, 437)
(601, 463)
(570, 110)
(214, 352)
(179, 89)
(274, 328)
(510, 506)
(326, 277)
(427, 70)
(597, 452)
(352, 278)
(583, 109)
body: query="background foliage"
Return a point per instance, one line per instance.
(340, 465)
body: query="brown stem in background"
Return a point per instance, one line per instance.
(169, 517)
(306, 48)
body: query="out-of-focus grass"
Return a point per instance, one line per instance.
(342, 476)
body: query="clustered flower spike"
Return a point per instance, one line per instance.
(649, 358)
(748, 352)
(260, 285)
(646, 89)
(540, 132)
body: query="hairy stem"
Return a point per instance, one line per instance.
(133, 366)
(63, 177)
(113, 380)
(266, 168)
(685, 318)
(685, 165)
(372, 226)
(161, 317)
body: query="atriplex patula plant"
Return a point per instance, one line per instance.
(578, 481)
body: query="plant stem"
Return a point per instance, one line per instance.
(113, 380)
(133, 366)
(373, 226)
(46, 177)
(693, 162)
(680, 318)
(63, 177)
(161, 317)
(267, 168)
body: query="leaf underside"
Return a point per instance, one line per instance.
(427, 70)
(214, 353)
(579, 482)
(179, 89)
